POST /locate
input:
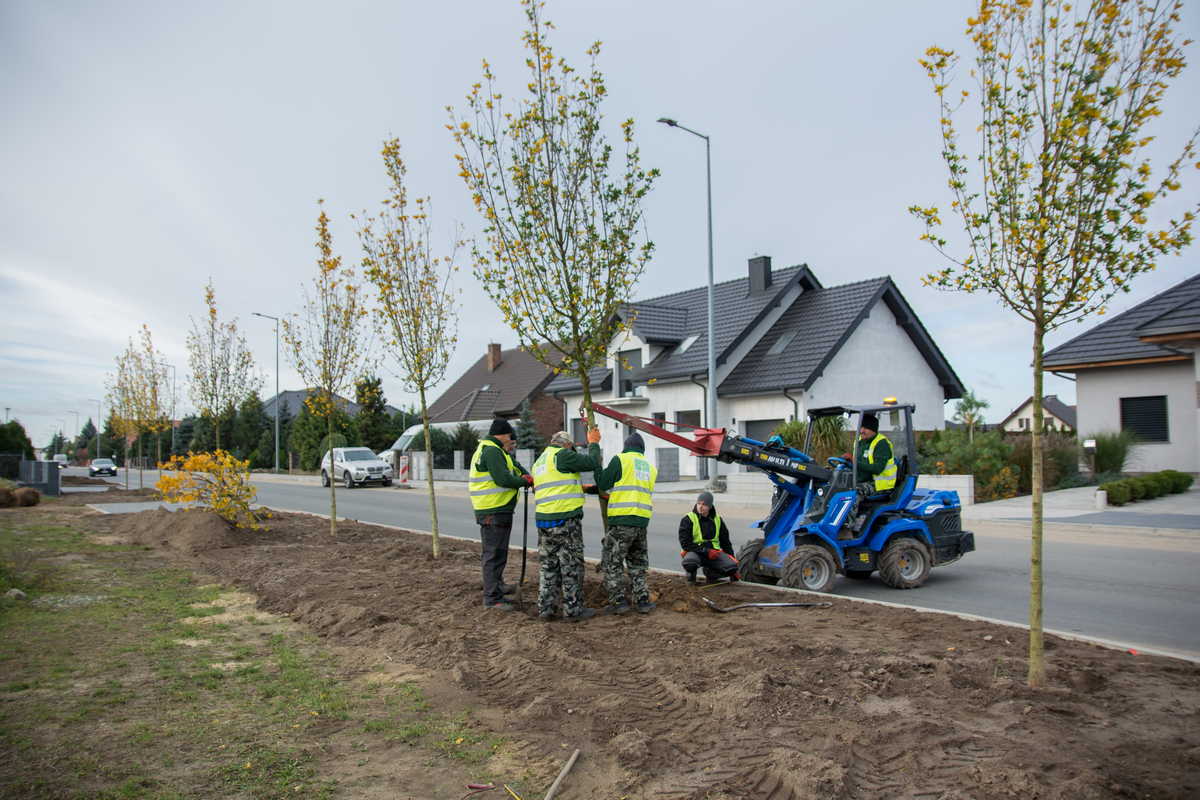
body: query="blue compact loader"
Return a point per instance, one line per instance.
(822, 521)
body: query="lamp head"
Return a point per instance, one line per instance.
(668, 121)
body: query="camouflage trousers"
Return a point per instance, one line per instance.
(625, 550)
(560, 582)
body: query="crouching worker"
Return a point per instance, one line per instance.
(629, 479)
(704, 537)
(558, 492)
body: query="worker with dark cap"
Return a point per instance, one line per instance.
(558, 492)
(875, 473)
(494, 482)
(629, 481)
(704, 537)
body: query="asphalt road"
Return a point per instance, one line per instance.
(1141, 591)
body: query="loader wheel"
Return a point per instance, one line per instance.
(858, 574)
(905, 563)
(748, 563)
(810, 567)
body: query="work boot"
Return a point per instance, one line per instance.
(691, 576)
(507, 588)
(584, 613)
(547, 615)
(645, 607)
(615, 608)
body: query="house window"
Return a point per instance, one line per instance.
(628, 362)
(1023, 424)
(782, 343)
(688, 418)
(1145, 417)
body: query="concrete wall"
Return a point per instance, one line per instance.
(1098, 394)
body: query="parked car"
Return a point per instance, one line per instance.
(60, 459)
(102, 466)
(354, 466)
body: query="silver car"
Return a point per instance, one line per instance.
(354, 466)
(102, 466)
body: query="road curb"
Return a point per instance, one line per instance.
(1106, 643)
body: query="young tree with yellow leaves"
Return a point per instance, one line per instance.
(565, 242)
(1057, 217)
(137, 394)
(326, 340)
(419, 320)
(223, 373)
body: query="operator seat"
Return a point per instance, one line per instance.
(872, 505)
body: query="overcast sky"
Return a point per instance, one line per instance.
(148, 146)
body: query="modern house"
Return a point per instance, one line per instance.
(784, 344)
(1138, 372)
(293, 400)
(1056, 416)
(496, 386)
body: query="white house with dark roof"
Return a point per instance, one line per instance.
(1056, 416)
(784, 344)
(1138, 371)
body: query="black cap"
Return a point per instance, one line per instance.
(634, 441)
(500, 426)
(706, 498)
(871, 422)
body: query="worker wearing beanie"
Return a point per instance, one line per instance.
(875, 473)
(495, 479)
(704, 537)
(558, 492)
(629, 478)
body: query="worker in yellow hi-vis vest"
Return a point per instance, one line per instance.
(629, 481)
(494, 481)
(704, 542)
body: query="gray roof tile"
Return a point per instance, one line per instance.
(1116, 339)
(480, 394)
(1183, 318)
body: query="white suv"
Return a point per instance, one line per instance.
(355, 465)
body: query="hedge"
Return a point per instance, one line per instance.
(1146, 487)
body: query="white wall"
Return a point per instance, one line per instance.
(878, 361)
(1022, 421)
(1098, 394)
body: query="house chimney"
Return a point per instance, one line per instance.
(760, 274)
(493, 357)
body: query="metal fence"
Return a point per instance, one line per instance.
(41, 475)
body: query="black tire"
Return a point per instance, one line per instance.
(748, 563)
(387, 481)
(858, 574)
(905, 563)
(325, 479)
(347, 480)
(810, 567)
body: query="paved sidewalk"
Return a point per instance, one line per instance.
(1078, 506)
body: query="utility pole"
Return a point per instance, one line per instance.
(99, 422)
(268, 316)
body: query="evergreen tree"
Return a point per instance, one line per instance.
(372, 420)
(183, 436)
(465, 439)
(309, 431)
(248, 430)
(13, 439)
(528, 436)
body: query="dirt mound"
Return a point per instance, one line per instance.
(113, 495)
(183, 531)
(851, 701)
(82, 480)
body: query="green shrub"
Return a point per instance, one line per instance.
(1180, 481)
(987, 457)
(1136, 490)
(1112, 450)
(1165, 484)
(1060, 459)
(830, 437)
(1118, 492)
(1150, 487)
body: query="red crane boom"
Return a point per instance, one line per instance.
(705, 441)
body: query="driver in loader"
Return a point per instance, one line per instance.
(875, 473)
(704, 537)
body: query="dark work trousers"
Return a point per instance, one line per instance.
(721, 566)
(494, 532)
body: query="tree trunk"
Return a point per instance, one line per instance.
(141, 464)
(126, 463)
(1037, 663)
(217, 430)
(433, 518)
(332, 476)
(591, 421)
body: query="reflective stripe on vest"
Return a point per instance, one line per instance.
(633, 496)
(698, 535)
(486, 494)
(555, 492)
(886, 479)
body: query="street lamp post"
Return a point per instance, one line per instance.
(98, 421)
(172, 368)
(268, 316)
(712, 345)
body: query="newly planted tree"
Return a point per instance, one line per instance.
(222, 367)
(136, 392)
(563, 227)
(419, 319)
(1057, 213)
(326, 340)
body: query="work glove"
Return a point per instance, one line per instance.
(590, 488)
(713, 554)
(593, 436)
(846, 456)
(528, 480)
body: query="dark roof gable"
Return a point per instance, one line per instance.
(480, 393)
(1117, 339)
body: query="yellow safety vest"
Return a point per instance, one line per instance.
(698, 535)
(555, 492)
(887, 479)
(486, 494)
(633, 494)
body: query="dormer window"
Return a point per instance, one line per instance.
(685, 344)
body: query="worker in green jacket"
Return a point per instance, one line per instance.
(495, 480)
(559, 491)
(629, 482)
(874, 471)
